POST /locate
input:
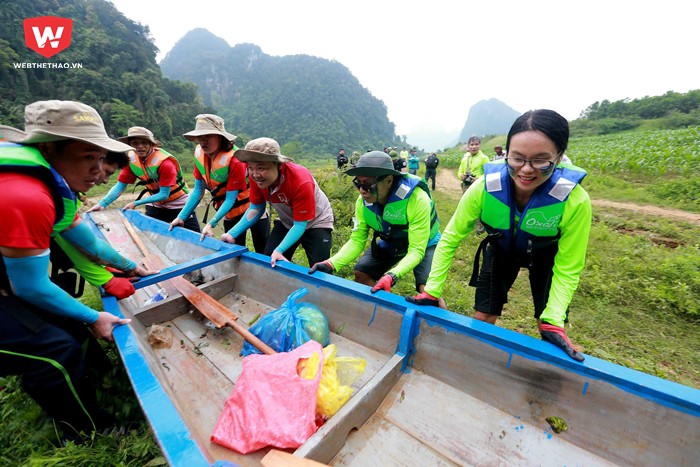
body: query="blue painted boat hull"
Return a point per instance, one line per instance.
(440, 388)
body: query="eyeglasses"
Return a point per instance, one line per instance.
(543, 165)
(368, 187)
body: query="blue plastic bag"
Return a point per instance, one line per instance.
(290, 326)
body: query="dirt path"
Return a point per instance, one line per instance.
(447, 182)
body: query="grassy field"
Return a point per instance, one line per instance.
(637, 304)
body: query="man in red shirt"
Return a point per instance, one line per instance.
(304, 213)
(42, 328)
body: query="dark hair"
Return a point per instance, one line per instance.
(119, 158)
(549, 122)
(225, 145)
(474, 138)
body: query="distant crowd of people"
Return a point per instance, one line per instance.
(64, 151)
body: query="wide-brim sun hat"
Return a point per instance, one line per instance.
(141, 133)
(208, 124)
(54, 120)
(261, 150)
(373, 164)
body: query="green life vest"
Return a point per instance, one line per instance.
(28, 160)
(390, 222)
(538, 225)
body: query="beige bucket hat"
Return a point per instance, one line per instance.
(261, 150)
(208, 124)
(139, 132)
(46, 121)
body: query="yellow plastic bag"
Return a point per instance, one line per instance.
(338, 374)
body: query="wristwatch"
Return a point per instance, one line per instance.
(393, 278)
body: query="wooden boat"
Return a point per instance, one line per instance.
(439, 388)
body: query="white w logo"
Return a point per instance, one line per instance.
(47, 35)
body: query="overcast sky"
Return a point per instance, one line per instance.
(431, 61)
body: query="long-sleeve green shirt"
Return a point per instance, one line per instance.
(418, 215)
(473, 164)
(575, 226)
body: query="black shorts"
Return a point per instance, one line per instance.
(316, 243)
(498, 273)
(376, 267)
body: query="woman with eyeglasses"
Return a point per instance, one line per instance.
(304, 213)
(537, 216)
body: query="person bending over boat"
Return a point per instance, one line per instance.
(65, 256)
(41, 326)
(159, 172)
(217, 170)
(304, 213)
(399, 211)
(537, 216)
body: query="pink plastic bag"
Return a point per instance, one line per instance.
(271, 405)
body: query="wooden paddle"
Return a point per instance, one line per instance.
(205, 303)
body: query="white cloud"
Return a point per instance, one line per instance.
(431, 61)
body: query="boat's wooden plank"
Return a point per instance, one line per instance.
(330, 438)
(467, 430)
(220, 345)
(198, 390)
(111, 224)
(601, 416)
(276, 458)
(379, 442)
(173, 307)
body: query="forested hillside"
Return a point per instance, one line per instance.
(310, 102)
(669, 111)
(119, 74)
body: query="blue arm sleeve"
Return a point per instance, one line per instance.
(292, 236)
(193, 200)
(31, 283)
(114, 193)
(245, 223)
(225, 207)
(85, 240)
(162, 195)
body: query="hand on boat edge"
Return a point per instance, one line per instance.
(323, 266)
(386, 282)
(557, 336)
(424, 298)
(119, 287)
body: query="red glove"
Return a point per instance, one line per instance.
(119, 287)
(424, 298)
(558, 337)
(385, 283)
(116, 272)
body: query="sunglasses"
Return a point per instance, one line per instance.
(368, 187)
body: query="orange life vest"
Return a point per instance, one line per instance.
(147, 172)
(215, 172)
